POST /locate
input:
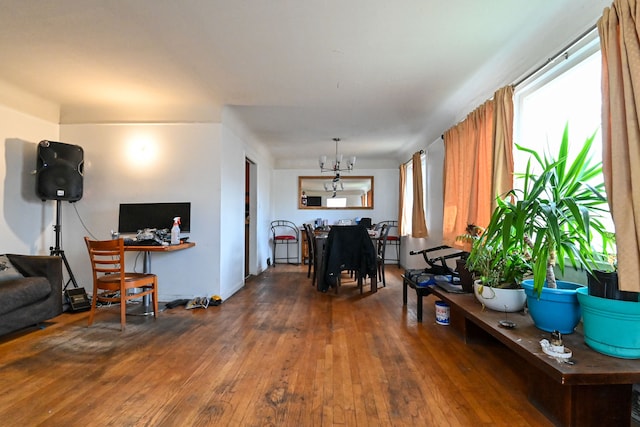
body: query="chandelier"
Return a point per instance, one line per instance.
(334, 186)
(337, 163)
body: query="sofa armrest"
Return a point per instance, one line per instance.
(42, 266)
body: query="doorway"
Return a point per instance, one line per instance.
(250, 184)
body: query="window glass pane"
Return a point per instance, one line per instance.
(336, 202)
(573, 97)
(423, 161)
(407, 219)
(568, 93)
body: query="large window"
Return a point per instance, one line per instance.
(565, 93)
(336, 202)
(407, 220)
(568, 92)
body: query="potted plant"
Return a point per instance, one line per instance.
(471, 234)
(499, 275)
(610, 325)
(602, 281)
(553, 217)
(610, 316)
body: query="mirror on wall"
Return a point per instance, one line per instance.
(335, 192)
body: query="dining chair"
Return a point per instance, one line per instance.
(313, 259)
(381, 251)
(393, 239)
(110, 281)
(286, 233)
(366, 222)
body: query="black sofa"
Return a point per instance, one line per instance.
(34, 298)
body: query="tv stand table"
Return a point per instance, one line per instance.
(146, 300)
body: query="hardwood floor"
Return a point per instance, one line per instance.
(278, 353)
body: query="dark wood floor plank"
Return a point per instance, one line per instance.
(276, 353)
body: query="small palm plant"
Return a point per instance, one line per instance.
(555, 215)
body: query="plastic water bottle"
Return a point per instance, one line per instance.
(175, 231)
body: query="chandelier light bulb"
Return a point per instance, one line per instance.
(322, 161)
(337, 163)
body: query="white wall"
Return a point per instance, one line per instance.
(435, 208)
(234, 132)
(200, 163)
(26, 223)
(386, 181)
(194, 171)
(263, 216)
(232, 201)
(135, 163)
(285, 198)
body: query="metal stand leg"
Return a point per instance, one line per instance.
(274, 252)
(146, 299)
(145, 309)
(57, 251)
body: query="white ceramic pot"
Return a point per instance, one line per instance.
(498, 299)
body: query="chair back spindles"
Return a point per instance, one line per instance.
(111, 283)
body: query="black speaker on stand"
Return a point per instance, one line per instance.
(59, 171)
(59, 176)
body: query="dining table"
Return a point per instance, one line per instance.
(321, 239)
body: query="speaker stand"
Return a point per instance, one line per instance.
(56, 251)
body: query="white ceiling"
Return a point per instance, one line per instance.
(385, 76)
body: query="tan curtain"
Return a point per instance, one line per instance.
(478, 165)
(418, 220)
(455, 179)
(620, 44)
(401, 206)
(502, 143)
(468, 173)
(482, 178)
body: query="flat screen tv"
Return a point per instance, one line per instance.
(138, 216)
(314, 201)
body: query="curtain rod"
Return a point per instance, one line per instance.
(419, 151)
(562, 52)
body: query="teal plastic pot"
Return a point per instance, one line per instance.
(556, 309)
(611, 327)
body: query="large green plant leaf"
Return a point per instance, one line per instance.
(556, 213)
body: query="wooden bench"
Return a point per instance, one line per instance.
(421, 291)
(595, 390)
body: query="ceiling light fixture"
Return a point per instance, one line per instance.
(334, 186)
(337, 167)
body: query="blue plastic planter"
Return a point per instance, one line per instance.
(611, 327)
(556, 309)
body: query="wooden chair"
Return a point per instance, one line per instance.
(393, 238)
(111, 282)
(381, 252)
(313, 259)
